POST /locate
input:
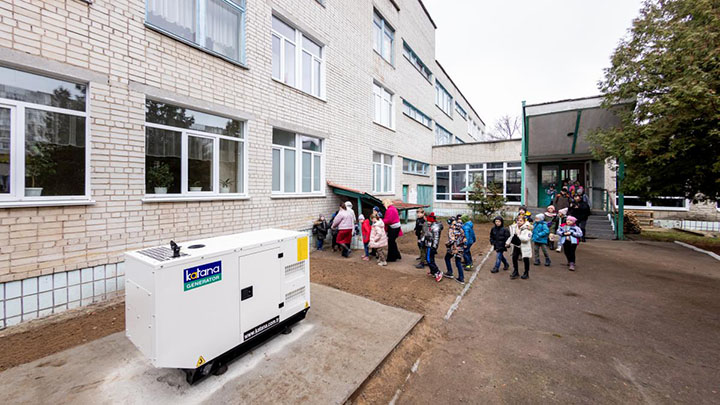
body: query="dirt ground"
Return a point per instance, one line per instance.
(399, 284)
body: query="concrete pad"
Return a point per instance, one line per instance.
(324, 360)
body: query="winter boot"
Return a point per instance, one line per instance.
(525, 275)
(547, 261)
(571, 267)
(537, 261)
(514, 275)
(494, 270)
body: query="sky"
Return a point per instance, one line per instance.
(502, 52)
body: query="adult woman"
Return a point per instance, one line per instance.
(392, 225)
(344, 223)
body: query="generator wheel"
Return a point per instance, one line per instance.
(222, 368)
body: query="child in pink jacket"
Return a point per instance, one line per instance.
(379, 239)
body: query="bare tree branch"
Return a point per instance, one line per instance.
(506, 127)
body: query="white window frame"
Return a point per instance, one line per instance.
(383, 95)
(649, 207)
(439, 129)
(383, 189)
(200, 29)
(443, 99)
(298, 167)
(415, 114)
(385, 30)
(17, 197)
(299, 51)
(484, 170)
(414, 167)
(461, 110)
(185, 193)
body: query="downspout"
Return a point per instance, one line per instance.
(621, 201)
(523, 154)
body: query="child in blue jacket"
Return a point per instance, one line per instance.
(540, 239)
(469, 240)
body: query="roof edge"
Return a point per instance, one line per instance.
(427, 14)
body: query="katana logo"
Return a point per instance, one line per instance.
(199, 276)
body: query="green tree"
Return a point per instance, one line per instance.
(669, 65)
(485, 201)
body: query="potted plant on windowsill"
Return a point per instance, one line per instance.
(160, 177)
(38, 164)
(225, 186)
(196, 186)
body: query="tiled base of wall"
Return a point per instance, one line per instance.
(37, 297)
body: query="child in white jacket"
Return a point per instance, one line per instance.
(520, 240)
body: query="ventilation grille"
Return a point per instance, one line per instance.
(295, 268)
(295, 294)
(161, 254)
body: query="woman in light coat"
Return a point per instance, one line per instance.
(520, 240)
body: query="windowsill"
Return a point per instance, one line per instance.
(418, 69)
(383, 126)
(414, 120)
(196, 46)
(416, 174)
(443, 111)
(384, 194)
(41, 203)
(298, 90)
(467, 202)
(305, 195)
(189, 198)
(392, 65)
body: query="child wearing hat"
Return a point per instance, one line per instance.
(540, 235)
(570, 235)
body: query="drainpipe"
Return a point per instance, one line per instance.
(621, 201)
(523, 154)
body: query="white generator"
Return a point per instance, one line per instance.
(199, 305)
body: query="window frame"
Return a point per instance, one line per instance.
(299, 51)
(439, 128)
(185, 134)
(649, 207)
(383, 165)
(416, 163)
(383, 91)
(416, 110)
(384, 28)
(238, 4)
(17, 196)
(441, 91)
(298, 166)
(416, 62)
(468, 172)
(461, 111)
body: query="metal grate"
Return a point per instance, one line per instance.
(295, 268)
(161, 254)
(297, 293)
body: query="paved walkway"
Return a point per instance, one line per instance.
(637, 323)
(326, 358)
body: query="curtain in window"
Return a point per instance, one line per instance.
(175, 16)
(222, 28)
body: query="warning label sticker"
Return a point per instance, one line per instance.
(200, 362)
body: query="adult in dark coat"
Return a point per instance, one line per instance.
(580, 210)
(562, 200)
(498, 236)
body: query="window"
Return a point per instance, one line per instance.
(44, 127)
(474, 130)
(297, 163)
(296, 59)
(443, 99)
(382, 173)
(417, 115)
(460, 110)
(217, 26)
(442, 135)
(458, 140)
(414, 167)
(453, 183)
(659, 203)
(411, 56)
(192, 153)
(384, 108)
(383, 37)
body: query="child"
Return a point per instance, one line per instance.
(320, 230)
(469, 240)
(432, 241)
(540, 239)
(561, 219)
(379, 239)
(551, 192)
(455, 248)
(552, 223)
(520, 237)
(420, 225)
(498, 235)
(366, 229)
(570, 235)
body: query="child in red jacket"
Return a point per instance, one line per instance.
(365, 229)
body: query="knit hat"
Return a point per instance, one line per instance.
(540, 217)
(571, 219)
(361, 217)
(430, 217)
(348, 204)
(563, 211)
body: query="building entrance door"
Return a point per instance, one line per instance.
(555, 174)
(424, 196)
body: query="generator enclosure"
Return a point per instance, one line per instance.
(183, 312)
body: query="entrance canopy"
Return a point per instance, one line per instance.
(369, 200)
